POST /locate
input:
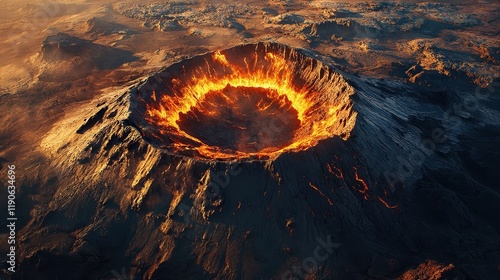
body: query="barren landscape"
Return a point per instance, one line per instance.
(250, 140)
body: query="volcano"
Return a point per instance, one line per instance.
(252, 140)
(262, 161)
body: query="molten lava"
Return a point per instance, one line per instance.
(253, 101)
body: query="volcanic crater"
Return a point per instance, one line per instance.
(253, 101)
(374, 139)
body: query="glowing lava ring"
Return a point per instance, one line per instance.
(253, 101)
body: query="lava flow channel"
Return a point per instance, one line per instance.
(252, 101)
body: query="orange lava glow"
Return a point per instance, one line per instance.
(335, 171)
(430, 269)
(365, 189)
(321, 193)
(387, 204)
(209, 90)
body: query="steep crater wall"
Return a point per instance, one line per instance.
(253, 101)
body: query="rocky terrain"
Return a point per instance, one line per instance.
(402, 185)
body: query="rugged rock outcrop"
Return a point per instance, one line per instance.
(64, 57)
